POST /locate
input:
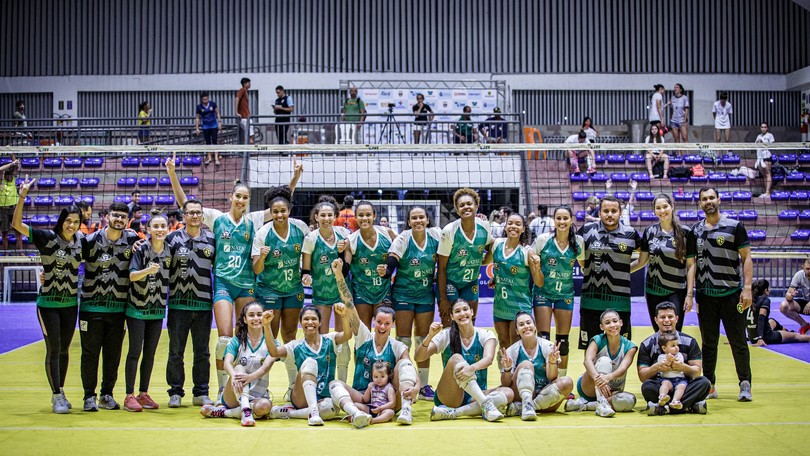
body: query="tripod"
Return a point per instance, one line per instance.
(387, 131)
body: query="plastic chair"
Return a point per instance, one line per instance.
(344, 133)
(533, 136)
(74, 162)
(89, 182)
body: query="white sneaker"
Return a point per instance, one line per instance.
(247, 417)
(745, 391)
(713, 393)
(405, 416)
(490, 412)
(60, 404)
(528, 413)
(361, 420)
(281, 412)
(514, 408)
(175, 400)
(315, 419)
(576, 405)
(604, 409)
(442, 412)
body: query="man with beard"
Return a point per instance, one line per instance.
(719, 245)
(649, 367)
(105, 292)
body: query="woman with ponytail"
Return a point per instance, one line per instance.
(663, 245)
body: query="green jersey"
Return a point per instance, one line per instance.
(625, 346)
(367, 285)
(464, 254)
(517, 353)
(365, 354)
(282, 266)
(557, 266)
(472, 353)
(325, 357)
(324, 286)
(512, 280)
(234, 241)
(413, 282)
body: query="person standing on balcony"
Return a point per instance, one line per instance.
(208, 112)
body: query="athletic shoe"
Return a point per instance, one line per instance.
(604, 409)
(576, 405)
(131, 404)
(442, 412)
(745, 391)
(60, 405)
(663, 400)
(199, 401)
(315, 419)
(207, 161)
(405, 416)
(175, 400)
(106, 401)
(804, 329)
(570, 396)
(211, 411)
(360, 420)
(713, 393)
(576, 170)
(216, 162)
(528, 413)
(247, 417)
(489, 412)
(514, 408)
(90, 404)
(591, 170)
(699, 407)
(654, 409)
(147, 402)
(69, 405)
(281, 412)
(427, 393)
(288, 395)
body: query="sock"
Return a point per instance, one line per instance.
(235, 412)
(300, 414)
(525, 384)
(222, 375)
(244, 399)
(343, 357)
(311, 394)
(471, 409)
(548, 396)
(423, 376)
(407, 379)
(292, 370)
(474, 391)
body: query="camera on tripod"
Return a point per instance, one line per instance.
(391, 107)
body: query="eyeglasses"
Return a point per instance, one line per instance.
(193, 213)
(116, 215)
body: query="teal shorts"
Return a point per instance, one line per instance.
(271, 300)
(562, 304)
(401, 306)
(581, 394)
(466, 400)
(226, 291)
(467, 292)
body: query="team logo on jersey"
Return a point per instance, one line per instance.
(104, 259)
(568, 301)
(127, 253)
(462, 252)
(623, 246)
(300, 297)
(247, 236)
(276, 253)
(480, 249)
(385, 257)
(226, 248)
(435, 257)
(243, 361)
(207, 252)
(226, 235)
(721, 240)
(477, 358)
(364, 261)
(475, 289)
(415, 262)
(250, 292)
(597, 245)
(552, 262)
(323, 259)
(168, 262)
(572, 263)
(297, 248)
(513, 270)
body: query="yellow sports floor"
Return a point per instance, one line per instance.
(777, 422)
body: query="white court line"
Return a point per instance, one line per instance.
(409, 428)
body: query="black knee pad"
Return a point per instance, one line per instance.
(563, 341)
(544, 335)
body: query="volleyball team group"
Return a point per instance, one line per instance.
(251, 268)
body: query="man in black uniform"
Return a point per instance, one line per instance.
(283, 109)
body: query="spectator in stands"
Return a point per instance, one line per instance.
(589, 129)
(655, 156)
(243, 111)
(581, 156)
(144, 120)
(137, 213)
(464, 132)
(656, 108)
(495, 224)
(346, 217)
(721, 111)
(208, 112)
(175, 220)
(627, 205)
(135, 225)
(354, 111)
(764, 160)
(385, 224)
(87, 226)
(763, 330)
(680, 115)
(283, 109)
(541, 222)
(797, 296)
(592, 209)
(422, 120)
(8, 200)
(495, 130)
(19, 115)
(135, 197)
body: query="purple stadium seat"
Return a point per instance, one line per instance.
(599, 177)
(74, 162)
(29, 163)
(620, 177)
(647, 216)
(578, 177)
(63, 200)
(730, 159)
(633, 216)
(600, 159)
(741, 195)
(126, 199)
(580, 215)
(804, 216)
(645, 196)
(19, 181)
(53, 218)
(679, 180)
(43, 201)
(635, 159)
(145, 219)
(130, 161)
(46, 182)
(68, 182)
(193, 181)
(40, 220)
(640, 177)
(622, 195)
(600, 195)
(28, 201)
(757, 235)
(699, 179)
(615, 158)
(730, 214)
(726, 196)
(127, 182)
(93, 162)
(164, 181)
(798, 196)
(194, 160)
(89, 199)
(580, 196)
(147, 181)
(789, 215)
(5, 161)
(701, 215)
(800, 235)
(787, 159)
(780, 195)
(737, 178)
(89, 182)
(165, 200)
(52, 163)
(747, 215)
(717, 177)
(146, 200)
(688, 216)
(151, 161)
(804, 159)
(692, 159)
(191, 197)
(795, 176)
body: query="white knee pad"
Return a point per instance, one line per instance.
(525, 380)
(499, 400)
(222, 344)
(309, 367)
(548, 396)
(461, 365)
(603, 365)
(338, 393)
(408, 341)
(623, 402)
(344, 354)
(327, 409)
(407, 373)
